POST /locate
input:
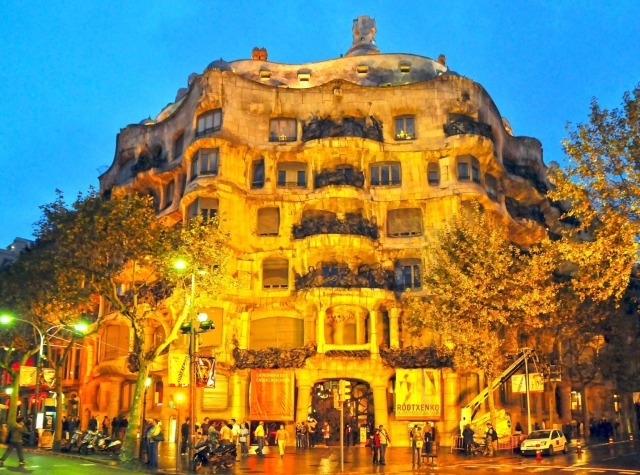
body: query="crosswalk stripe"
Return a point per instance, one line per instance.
(87, 464)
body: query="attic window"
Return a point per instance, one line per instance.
(304, 76)
(404, 67)
(362, 69)
(385, 84)
(264, 75)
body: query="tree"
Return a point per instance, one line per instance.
(480, 291)
(108, 245)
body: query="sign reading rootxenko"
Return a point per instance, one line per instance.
(418, 394)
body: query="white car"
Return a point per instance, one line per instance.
(547, 441)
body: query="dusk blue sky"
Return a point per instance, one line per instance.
(73, 73)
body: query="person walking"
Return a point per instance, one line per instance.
(105, 425)
(115, 428)
(384, 442)
(281, 439)
(124, 423)
(14, 441)
(312, 429)
(491, 440)
(93, 424)
(184, 431)
(65, 428)
(155, 437)
(298, 435)
(417, 441)
(467, 439)
(259, 433)
(326, 433)
(226, 434)
(243, 436)
(375, 446)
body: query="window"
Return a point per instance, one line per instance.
(127, 396)
(268, 221)
(468, 168)
(275, 273)
(469, 387)
(404, 222)
(206, 207)
(282, 130)
(405, 127)
(279, 332)
(491, 186)
(217, 398)
(158, 393)
(116, 341)
(208, 122)
(213, 337)
(408, 274)
(168, 193)
(292, 175)
(205, 162)
(257, 175)
(386, 174)
(475, 171)
(178, 146)
(433, 174)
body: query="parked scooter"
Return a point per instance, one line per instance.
(206, 455)
(74, 441)
(104, 443)
(87, 440)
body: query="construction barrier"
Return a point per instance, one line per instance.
(511, 442)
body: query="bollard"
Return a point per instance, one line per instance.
(538, 454)
(610, 440)
(579, 449)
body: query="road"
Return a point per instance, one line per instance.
(620, 459)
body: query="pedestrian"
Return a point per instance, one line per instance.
(214, 436)
(65, 428)
(326, 433)
(243, 435)
(259, 433)
(568, 431)
(235, 433)
(384, 442)
(312, 430)
(417, 441)
(155, 437)
(281, 439)
(375, 446)
(204, 428)
(147, 426)
(124, 423)
(14, 441)
(184, 431)
(491, 437)
(105, 425)
(467, 439)
(536, 426)
(298, 435)
(518, 430)
(115, 427)
(93, 424)
(226, 434)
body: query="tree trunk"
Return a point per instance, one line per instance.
(552, 403)
(57, 433)
(492, 403)
(127, 453)
(585, 413)
(13, 399)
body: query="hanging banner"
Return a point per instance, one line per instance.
(418, 394)
(519, 386)
(27, 377)
(205, 372)
(272, 394)
(178, 369)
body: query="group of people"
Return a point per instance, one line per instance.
(220, 434)
(420, 442)
(604, 428)
(152, 435)
(490, 439)
(379, 441)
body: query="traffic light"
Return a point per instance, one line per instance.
(345, 390)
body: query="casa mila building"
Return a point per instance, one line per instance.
(331, 177)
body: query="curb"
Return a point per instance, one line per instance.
(111, 463)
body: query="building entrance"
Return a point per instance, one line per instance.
(358, 411)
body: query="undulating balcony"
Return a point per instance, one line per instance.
(339, 176)
(340, 275)
(468, 126)
(353, 223)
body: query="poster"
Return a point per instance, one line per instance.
(27, 377)
(518, 383)
(205, 371)
(178, 369)
(272, 394)
(418, 394)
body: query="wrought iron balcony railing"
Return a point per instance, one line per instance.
(352, 224)
(339, 275)
(341, 176)
(467, 126)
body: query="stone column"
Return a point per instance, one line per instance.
(380, 406)
(243, 341)
(450, 410)
(310, 326)
(320, 330)
(373, 332)
(304, 400)
(111, 392)
(239, 391)
(360, 333)
(338, 338)
(394, 341)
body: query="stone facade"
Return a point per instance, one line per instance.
(300, 161)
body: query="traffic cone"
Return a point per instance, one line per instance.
(631, 437)
(539, 455)
(610, 440)
(579, 449)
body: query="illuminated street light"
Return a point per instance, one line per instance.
(81, 327)
(5, 319)
(180, 264)
(9, 391)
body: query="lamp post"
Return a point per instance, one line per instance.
(147, 383)
(179, 399)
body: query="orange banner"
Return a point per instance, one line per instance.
(272, 394)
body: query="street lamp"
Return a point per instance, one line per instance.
(179, 398)
(147, 383)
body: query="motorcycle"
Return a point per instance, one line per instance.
(105, 443)
(72, 442)
(206, 455)
(88, 439)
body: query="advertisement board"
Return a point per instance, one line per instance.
(178, 369)
(27, 377)
(418, 394)
(272, 394)
(518, 383)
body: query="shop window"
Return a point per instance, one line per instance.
(433, 174)
(385, 174)
(292, 175)
(275, 273)
(404, 222)
(178, 146)
(282, 130)
(257, 174)
(268, 221)
(576, 401)
(208, 122)
(169, 190)
(491, 186)
(408, 274)
(217, 398)
(205, 162)
(158, 393)
(205, 207)
(116, 341)
(213, 337)
(277, 332)
(405, 127)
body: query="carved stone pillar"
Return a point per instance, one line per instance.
(304, 400)
(361, 335)
(310, 326)
(243, 340)
(380, 406)
(339, 335)
(110, 395)
(320, 330)
(239, 391)
(450, 410)
(394, 340)
(373, 332)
